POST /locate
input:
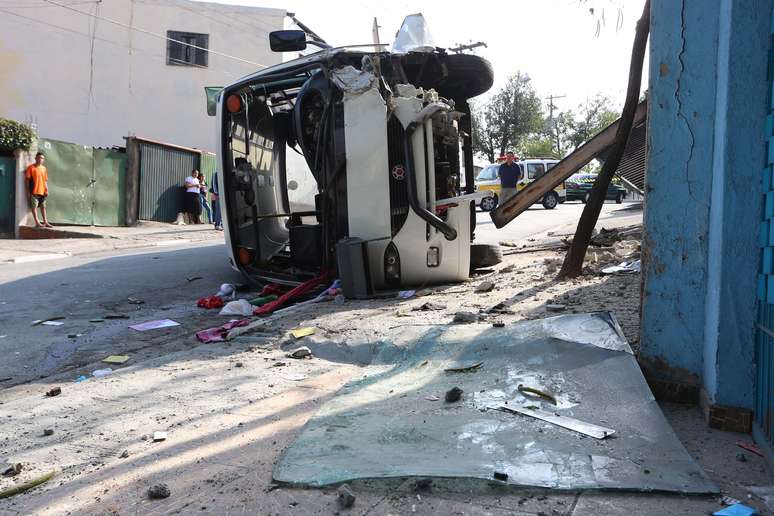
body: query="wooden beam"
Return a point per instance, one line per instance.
(535, 190)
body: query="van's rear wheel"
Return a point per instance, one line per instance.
(489, 203)
(484, 255)
(550, 200)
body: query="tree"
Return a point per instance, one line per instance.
(592, 117)
(540, 146)
(573, 261)
(511, 115)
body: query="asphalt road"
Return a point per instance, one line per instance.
(537, 220)
(92, 293)
(86, 290)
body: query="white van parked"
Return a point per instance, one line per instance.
(533, 168)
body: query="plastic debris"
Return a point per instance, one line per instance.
(406, 294)
(52, 323)
(738, 509)
(226, 290)
(99, 373)
(159, 436)
(218, 334)
(262, 300)
(154, 325)
(727, 500)
(302, 332)
(81, 379)
(632, 267)
(56, 391)
(239, 307)
(116, 359)
(210, 302)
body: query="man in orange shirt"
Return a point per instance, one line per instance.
(37, 184)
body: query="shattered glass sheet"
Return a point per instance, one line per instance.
(396, 423)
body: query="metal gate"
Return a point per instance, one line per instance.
(85, 185)
(7, 195)
(163, 169)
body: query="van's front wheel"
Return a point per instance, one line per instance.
(489, 203)
(550, 200)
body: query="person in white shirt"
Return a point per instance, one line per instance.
(192, 204)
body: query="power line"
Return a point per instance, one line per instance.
(121, 45)
(154, 34)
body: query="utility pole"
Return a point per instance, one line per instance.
(551, 108)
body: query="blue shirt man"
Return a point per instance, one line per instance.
(510, 174)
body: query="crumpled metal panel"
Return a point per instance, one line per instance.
(391, 425)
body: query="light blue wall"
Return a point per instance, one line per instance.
(707, 117)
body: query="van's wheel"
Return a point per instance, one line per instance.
(619, 198)
(489, 203)
(550, 200)
(484, 255)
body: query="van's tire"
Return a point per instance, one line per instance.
(484, 255)
(550, 200)
(619, 198)
(489, 203)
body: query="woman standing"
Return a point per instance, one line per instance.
(192, 204)
(203, 196)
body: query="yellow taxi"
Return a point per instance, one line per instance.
(488, 179)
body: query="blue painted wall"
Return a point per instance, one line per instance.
(709, 101)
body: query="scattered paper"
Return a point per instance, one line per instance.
(116, 359)
(52, 323)
(154, 325)
(302, 332)
(159, 436)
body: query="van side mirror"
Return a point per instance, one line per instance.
(287, 40)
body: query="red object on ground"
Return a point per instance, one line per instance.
(218, 333)
(749, 447)
(271, 288)
(210, 302)
(303, 288)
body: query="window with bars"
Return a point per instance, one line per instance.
(187, 48)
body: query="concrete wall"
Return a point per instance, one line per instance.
(708, 91)
(87, 80)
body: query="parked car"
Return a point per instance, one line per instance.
(488, 179)
(579, 188)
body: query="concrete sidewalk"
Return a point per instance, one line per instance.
(63, 241)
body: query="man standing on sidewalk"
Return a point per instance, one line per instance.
(216, 218)
(510, 174)
(36, 177)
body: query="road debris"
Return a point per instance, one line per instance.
(632, 267)
(750, 448)
(11, 491)
(115, 316)
(154, 325)
(464, 369)
(302, 332)
(262, 300)
(485, 286)
(727, 500)
(13, 470)
(99, 373)
(464, 317)
(116, 359)
(300, 353)
(765, 493)
(738, 509)
(239, 307)
(500, 476)
(345, 496)
(432, 398)
(56, 391)
(48, 432)
(158, 492)
(52, 323)
(124, 454)
(430, 307)
(193, 278)
(570, 423)
(219, 333)
(454, 394)
(48, 319)
(537, 392)
(556, 307)
(210, 302)
(498, 324)
(406, 294)
(135, 301)
(227, 290)
(159, 436)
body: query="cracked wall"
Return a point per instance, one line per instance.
(708, 89)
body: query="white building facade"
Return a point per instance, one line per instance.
(93, 72)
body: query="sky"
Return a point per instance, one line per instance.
(563, 47)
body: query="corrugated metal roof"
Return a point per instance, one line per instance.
(633, 163)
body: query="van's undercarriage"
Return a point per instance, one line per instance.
(350, 162)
